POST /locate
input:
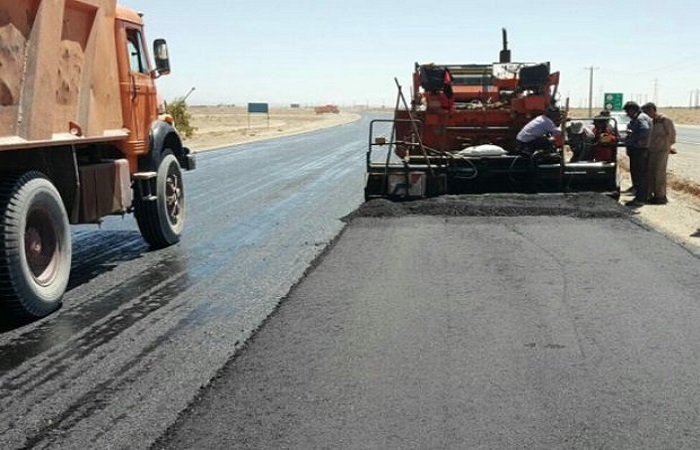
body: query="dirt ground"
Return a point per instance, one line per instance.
(680, 218)
(221, 126)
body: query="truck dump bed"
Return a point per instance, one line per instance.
(58, 76)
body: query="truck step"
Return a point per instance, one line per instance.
(144, 175)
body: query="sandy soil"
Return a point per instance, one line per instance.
(680, 218)
(221, 126)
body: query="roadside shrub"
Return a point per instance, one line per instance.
(178, 110)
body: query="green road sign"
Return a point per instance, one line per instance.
(612, 101)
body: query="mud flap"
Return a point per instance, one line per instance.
(189, 162)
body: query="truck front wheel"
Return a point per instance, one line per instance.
(35, 246)
(161, 218)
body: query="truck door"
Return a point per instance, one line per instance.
(140, 90)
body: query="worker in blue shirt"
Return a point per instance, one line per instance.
(637, 144)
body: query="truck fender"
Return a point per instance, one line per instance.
(163, 136)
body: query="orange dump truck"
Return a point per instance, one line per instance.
(80, 139)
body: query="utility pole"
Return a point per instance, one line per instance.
(590, 89)
(655, 98)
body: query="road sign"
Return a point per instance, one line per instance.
(612, 101)
(258, 108)
(262, 108)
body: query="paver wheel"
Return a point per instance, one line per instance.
(35, 246)
(162, 218)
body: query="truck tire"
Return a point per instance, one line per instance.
(162, 219)
(35, 246)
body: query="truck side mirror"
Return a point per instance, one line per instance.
(160, 52)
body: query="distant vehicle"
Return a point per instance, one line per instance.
(327, 109)
(621, 120)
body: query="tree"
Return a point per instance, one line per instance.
(178, 110)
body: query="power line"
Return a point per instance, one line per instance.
(590, 89)
(688, 61)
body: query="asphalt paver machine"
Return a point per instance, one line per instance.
(457, 135)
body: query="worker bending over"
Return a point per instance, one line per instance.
(536, 134)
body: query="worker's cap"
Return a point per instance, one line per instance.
(576, 127)
(631, 106)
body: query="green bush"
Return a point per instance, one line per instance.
(178, 110)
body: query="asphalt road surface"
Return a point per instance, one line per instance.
(140, 332)
(688, 134)
(575, 329)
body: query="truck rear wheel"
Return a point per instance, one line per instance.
(35, 246)
(161, 219)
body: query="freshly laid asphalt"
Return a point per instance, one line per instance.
(451, 325)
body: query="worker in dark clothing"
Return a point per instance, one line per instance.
(637, 143)
(580, 139)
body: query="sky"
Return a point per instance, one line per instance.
(348, 52)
